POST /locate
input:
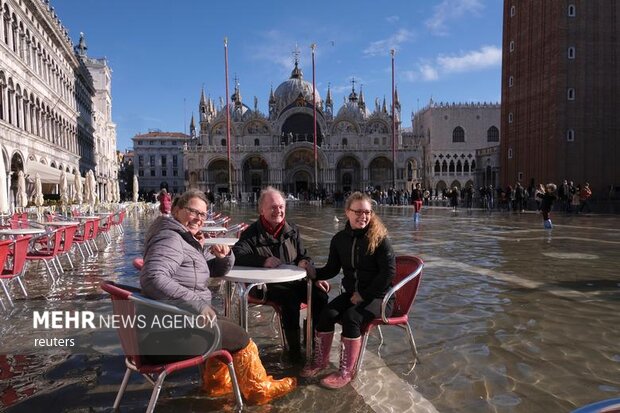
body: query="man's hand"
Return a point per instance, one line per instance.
(220, 251)
(200, 237)
(356, 298)
(272, 262)
(323, 285)
(309, 267)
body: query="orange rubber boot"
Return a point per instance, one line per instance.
(256, 386)
(216, 381)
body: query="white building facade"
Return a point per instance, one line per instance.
(47, 115)
(158, 161)
(454, 136)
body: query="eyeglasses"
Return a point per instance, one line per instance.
(275, 208)
(196, 213)
(360, 212)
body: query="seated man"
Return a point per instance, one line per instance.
(269, 242)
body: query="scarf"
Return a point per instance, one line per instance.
(271, 230)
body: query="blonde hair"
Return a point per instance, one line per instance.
(377, 232)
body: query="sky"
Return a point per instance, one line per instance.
(163, 53)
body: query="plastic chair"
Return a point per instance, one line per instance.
(84, 236)
(66, 244)
(14, 269)
(404, 288)
(48, 252)
(124, 300)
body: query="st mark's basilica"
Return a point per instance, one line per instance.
(354, 143)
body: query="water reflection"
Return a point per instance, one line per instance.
(509, 318)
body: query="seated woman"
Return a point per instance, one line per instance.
(177, 268)
(364, 252)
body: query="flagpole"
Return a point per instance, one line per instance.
(316, 157)
(393, 127)
(227, 119)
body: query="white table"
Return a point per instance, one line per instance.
(247, 278)
(220, 241)
(87, 217)
(213, 229)
(61, 223)
(22, 231)
(209, 222)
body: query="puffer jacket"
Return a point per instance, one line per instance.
(369, 275)
(255, 245)
(177, 268)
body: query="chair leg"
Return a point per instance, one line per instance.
(360, 359)
(156, 391)
(235, 384)
(6, 292)
(49, 271)
(416, 359)
(21, 284)
(121, 391)
(79, 247)
(380, 338)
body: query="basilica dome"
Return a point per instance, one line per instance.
(289, 90)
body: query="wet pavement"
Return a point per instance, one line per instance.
(509, 318)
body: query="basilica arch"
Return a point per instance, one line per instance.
(217, 176)
(380, 172)
(255, 172)
(348, 174)
(298, 128)
(299, 171)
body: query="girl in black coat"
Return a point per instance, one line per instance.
(547, 200)
(365, 255)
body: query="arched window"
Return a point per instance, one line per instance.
(510, 117)
(256, 142)
(492, 134)
(459, 167)
(437, 168)
(570, 135)
(458, 134)
(223, 142)
(376, 141)
(466, 166)
(511, 81)
(512, 46)
(513, 11)
(509, 153)
(473, 166)
(571, 52)
(345, 142)
(572, 10)
(570, 93)
(451, 167)
(444, 167)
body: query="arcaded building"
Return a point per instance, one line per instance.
(354, 143)
(560, 92)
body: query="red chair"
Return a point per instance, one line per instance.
(104, 228)
(124, 301)
(404, 288)
(85, 235)
(49, 252)
(118, 222)
(66, 244)
(13, 267)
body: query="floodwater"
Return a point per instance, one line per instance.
(509, 318)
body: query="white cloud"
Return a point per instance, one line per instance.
(392, 19)
(449, 10)
(487, 56)
(382, 47)
(474, 60)
(276, 47)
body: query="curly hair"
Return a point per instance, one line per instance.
(377, 232)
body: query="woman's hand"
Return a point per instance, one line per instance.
(272, 262)
(356, 298)
(323, 285)
(220, 251)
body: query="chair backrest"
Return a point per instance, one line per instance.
(123, 306)
(5, 248)
(20, 250)
(67, 241)
(408, 272)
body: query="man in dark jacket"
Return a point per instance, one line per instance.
(270, 242)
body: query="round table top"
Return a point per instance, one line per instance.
(213, 229)
(81, 217)
(61, 223)
(220, 241)
(22, 231)
(265, 275)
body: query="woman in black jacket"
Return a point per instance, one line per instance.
(364, 253)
